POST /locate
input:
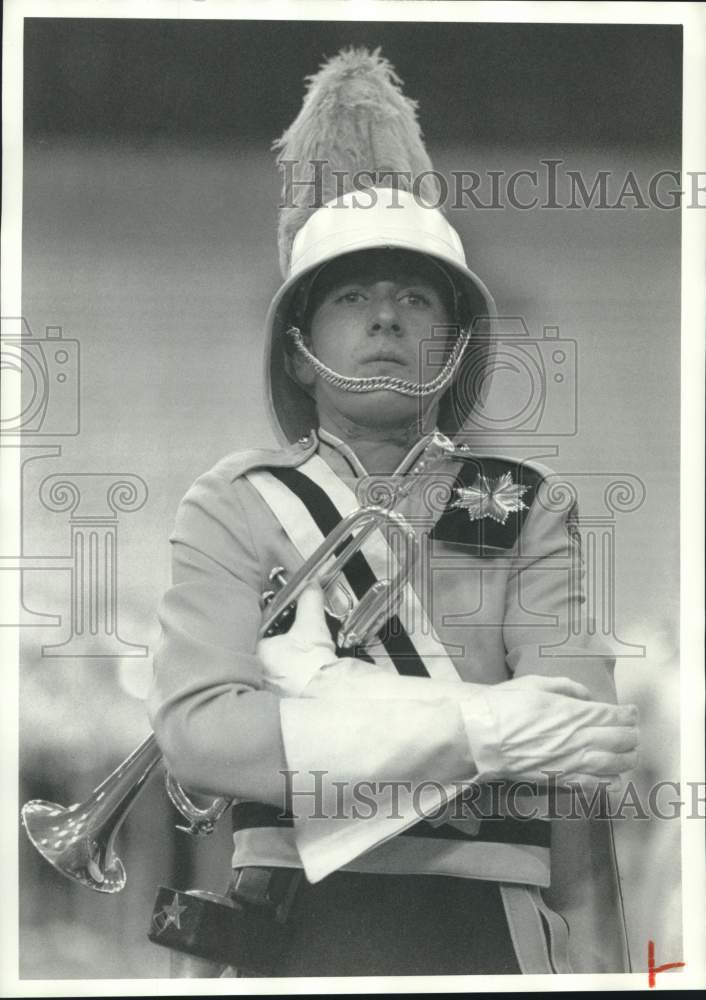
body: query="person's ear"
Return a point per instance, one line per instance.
(299, 368)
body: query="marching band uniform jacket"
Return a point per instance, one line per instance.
(489, 601)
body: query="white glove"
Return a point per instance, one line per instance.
(303, 663)
(292, 659)
(533, 725)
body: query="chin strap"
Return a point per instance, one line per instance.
(374, 383)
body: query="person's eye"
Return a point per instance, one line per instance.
(414, 297)
(350, 296)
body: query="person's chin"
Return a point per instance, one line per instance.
(383, 408)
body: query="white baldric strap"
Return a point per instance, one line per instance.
(539, 935)
(305, 535)
(379, 555)
(403, 855)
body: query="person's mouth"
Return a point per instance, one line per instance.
(387, 357)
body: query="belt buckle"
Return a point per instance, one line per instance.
(271, 889)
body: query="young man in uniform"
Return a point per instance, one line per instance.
(343, 755)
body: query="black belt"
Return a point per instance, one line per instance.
(494, 829)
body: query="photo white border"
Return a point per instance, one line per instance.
(692, 16)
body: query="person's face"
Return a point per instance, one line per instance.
(373, 314)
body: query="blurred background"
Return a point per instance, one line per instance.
(150, 203)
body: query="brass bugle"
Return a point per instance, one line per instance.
(79, 840)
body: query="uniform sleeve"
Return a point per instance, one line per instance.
(207, 701)
(546, 630)
(223, 733)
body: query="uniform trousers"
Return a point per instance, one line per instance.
(360, 924)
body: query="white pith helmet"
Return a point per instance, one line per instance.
(371, 219)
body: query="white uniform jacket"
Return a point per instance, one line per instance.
(487, 601)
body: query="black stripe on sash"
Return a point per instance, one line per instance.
(357, 571)
(495, 829)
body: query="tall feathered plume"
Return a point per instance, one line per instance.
(356, 120)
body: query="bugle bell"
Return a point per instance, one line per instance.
(79, 840)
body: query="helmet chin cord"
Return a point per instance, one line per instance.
(375, 383)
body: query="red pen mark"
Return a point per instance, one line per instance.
(653, 969)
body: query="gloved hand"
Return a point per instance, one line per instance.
(533, 725)
(303, 663)
(292, 659)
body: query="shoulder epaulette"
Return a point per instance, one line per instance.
(238, 463)
(490, 501)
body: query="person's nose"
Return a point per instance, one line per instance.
(384, 316)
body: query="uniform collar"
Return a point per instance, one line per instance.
(333, 447)
(481, 536)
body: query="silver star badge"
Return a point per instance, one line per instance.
(169, 915)
(496, 498)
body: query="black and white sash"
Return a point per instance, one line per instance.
(309, 502)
